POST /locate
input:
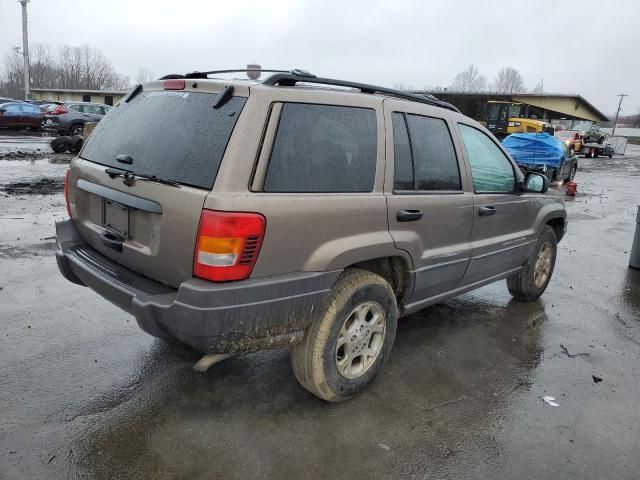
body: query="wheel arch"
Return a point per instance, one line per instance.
(395, 269)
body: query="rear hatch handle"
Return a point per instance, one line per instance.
(111, 240)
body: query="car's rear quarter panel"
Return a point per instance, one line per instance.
(305, 231)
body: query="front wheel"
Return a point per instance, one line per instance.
(531, 282)
(349, 339)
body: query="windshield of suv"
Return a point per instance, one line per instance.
(174, 135)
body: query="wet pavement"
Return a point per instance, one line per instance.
(85, 394)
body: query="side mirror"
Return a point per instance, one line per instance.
(536, 182)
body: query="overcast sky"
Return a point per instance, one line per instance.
(589, 47)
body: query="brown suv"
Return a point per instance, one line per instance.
(236, 216)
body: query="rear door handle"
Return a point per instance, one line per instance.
(486, 211)
(409, 215)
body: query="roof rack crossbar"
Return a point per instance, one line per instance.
(289, 79)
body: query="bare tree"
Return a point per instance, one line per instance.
(508, 80)
(74, 67)
(539, 88)
(144, 75)
(402, 86)
(469, 80)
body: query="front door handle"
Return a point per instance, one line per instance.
(409, 215)
(486, 211)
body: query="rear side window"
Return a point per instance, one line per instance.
(77, 108)
(174, 135)
(323, 148)
(425, 158)
(93, 109)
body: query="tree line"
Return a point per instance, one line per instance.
(65, 66)
(508, 80)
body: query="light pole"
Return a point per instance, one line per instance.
(25, 50)
(615, 122)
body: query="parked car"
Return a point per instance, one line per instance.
(571, 138)
(44, 102)
(544, 153)
(263, 215)
(69, 118)
(9, 100)
(21, 115)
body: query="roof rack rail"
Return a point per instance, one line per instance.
(289, 79)
(197, 74)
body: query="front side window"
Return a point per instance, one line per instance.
(424, 155)
(491, 170)
(323, 148)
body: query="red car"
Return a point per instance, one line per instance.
(21, 115)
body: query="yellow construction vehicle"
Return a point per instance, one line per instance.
(505, 118)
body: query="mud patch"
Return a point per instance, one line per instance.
(41, 186)
(34, 250)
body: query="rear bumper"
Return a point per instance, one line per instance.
(212, 317)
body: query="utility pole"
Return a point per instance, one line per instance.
(25, 50)
(615, 122)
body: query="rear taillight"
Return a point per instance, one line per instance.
(228, 245)
(59, 110)
(66, 192)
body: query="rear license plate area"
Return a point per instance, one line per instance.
(116, 217)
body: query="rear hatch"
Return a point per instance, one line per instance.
(150, 225)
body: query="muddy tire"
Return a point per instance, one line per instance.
(531, 282)
(349, 339)
(75, 144)
(60, 144)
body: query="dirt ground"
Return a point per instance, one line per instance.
(85, 394)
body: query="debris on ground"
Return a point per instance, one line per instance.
(596, 379)
(570, 355)
(42, 186)
(384, 447)
(550, 400)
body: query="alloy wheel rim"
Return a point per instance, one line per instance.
(542, 268)
(360, 340)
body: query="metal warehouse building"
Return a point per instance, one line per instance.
(107, 97)
(549, 107)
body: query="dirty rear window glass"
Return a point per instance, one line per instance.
(174, 135)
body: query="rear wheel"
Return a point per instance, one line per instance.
(531, 282)
(349, 339)
(75, 130)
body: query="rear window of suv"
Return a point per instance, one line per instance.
(176, 136)
(323, 148)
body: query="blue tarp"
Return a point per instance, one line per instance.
(535, 149)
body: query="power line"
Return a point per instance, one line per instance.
(621, 95)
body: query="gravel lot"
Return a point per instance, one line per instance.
(86, 394)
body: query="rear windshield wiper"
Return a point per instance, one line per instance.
(129, 177)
